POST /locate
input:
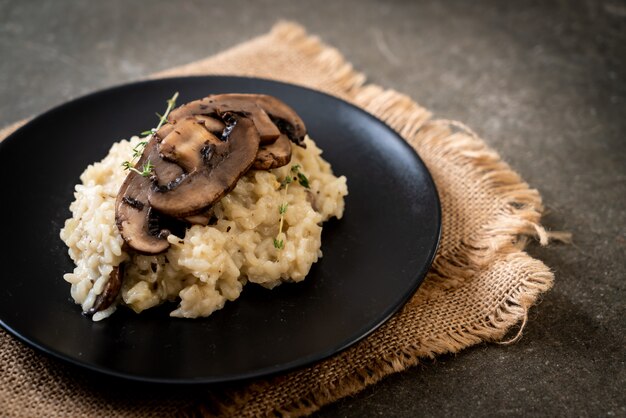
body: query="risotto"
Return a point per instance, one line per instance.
(208, 265)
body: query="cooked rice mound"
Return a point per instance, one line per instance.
(210, 264)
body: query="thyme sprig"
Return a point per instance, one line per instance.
(162, 118)
(302, 179)
(146, 169)
(138, 149)
(294, 174)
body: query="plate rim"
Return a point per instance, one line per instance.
(281, 368)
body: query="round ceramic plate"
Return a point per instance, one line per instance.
(374, 258)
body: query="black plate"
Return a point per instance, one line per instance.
(374, 258)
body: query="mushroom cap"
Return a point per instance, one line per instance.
(283, 116)
(185, 143)
(273, 155)
(132, 211)
(270, 115)
(227, 103)
(219, 169)
(213, 125)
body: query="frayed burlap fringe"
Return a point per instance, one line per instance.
(479, 288)
(465, 256)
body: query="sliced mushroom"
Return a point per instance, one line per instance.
(222, 163)
(283, 116)
(109, 292)
(164, 131)
(230, 103)
(198, 156)
(273, 155)
(203, 218)
(215, 126)
(186, 142)
(133, 215)
(281, 119)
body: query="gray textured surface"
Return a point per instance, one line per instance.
(543, 82)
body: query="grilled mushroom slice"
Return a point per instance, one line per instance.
(283, 116)
(198, 156)
(203, 218)
(213, 125)
(281, 119)
(273, 155)
(164, 131)
(109, 292)
(227, 103)
(185, 144)
(137, 222)
(212, 170)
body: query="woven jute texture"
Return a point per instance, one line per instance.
(481, 284)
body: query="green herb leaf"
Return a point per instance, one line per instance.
(285, 181)
(282, 209)
(171, 103)
(138, 149)
(147, 168)
(303, 180)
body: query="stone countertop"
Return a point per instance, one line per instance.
(543, 82)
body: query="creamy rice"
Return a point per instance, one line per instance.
(210, 264)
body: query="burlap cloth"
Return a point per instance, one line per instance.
(481, 284)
